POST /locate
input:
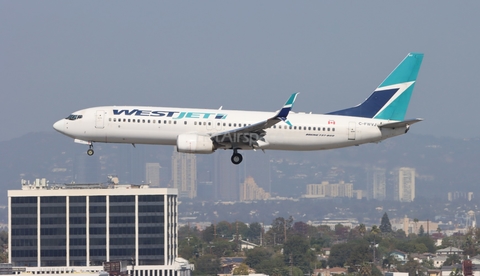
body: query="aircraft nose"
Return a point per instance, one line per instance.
(58, 126)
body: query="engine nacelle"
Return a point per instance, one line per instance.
(194, 143)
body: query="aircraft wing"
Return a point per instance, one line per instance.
(254, 132)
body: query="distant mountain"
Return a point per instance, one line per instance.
(442, 164)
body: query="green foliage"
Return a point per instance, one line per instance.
(421, 231)
(280, 227)
(452, 259)
(297, 252)
(273, 266)
(207, 265)
(339, 254)
(254, 232)
(256, 255)
(222, 248)
(385, 225)
(242, 269)
(208, 233)
(224, 229)
(412, 267)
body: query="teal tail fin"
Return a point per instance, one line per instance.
(390, 100)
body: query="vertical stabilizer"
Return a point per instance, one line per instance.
(390, 100)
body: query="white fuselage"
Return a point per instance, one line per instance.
(162, 126)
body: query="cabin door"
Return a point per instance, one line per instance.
(352, 130)
(99, 119)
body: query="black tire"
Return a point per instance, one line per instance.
(90, 152)
(237, 158)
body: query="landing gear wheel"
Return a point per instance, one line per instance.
(90, 152)
(237, 158)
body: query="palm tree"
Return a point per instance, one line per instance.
(365, 269)
(362, 229)
(375, 231)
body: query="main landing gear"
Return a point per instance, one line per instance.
(236, 157)
(90, 151)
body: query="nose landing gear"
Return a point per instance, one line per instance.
(237, 158)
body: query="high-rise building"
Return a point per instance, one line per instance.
(326, 189)
(152, 174)
(376, 183)
(257, 165)
(77, 227)
(405, 184)
(184, 174)
(249, 190)
(226, 177)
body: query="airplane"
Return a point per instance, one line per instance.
(203, 131)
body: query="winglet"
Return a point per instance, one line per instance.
(283, 113)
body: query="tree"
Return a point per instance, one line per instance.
(421, 231)
(224, 229)
(300, 228)
(297, 252)
(256, 255)
(339, 254)
(452, 259)
(273, 266)
(362, 229)
(254, 231)
(242, 269)
(207, 265)
(276, 234)
(412, 267)
(385, 225)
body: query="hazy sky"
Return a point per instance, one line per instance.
(60, 56)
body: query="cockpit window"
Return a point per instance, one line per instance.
(74, 117)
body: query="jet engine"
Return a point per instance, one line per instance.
(194, 143)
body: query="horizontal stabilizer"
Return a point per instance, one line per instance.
(400, 124)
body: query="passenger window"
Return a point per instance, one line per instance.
(124, 120)
(169, 122)
(230, 124)
(295, 127)
(309, 128)
(328, 129)
(290, 127)
(148, 121)
(165, 122)
(323, 129)
(159, 121)
(109, 119)
(209, 123)
(224, 124)
(333, 129)
(133, 120)
(185, 122)
(274, 127)
(314, 128)
(114, 119)
(218, 124)
(129, 120)
(174, 122)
